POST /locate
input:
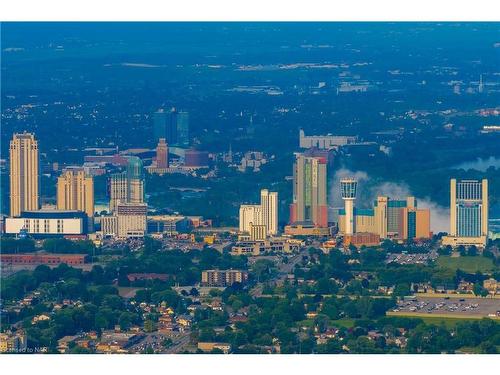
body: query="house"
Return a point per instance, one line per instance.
(492, 286)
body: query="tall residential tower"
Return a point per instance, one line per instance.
(75, 191)
(24, 195)
(309, 191)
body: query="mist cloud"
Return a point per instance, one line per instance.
(369, 189)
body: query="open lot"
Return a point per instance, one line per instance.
(445, 307)
(467, 264)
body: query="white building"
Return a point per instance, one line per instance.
(324, 142)
(250, 214)
(265, 213)
(48, 222)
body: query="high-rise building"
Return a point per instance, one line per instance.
(173, 126)
(263, 214)
(468, 213)
(182, 125)
(310, 191)
(162, 154)
(75, 191)
(250, 214)
(348, 191)
(135, 179)
(269, 207)
(127, 187)
(24, 195)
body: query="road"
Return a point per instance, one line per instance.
(283, 270)
(179, 344)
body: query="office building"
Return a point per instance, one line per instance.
(43, 223)
(24, 177)
(348, 191)
(468, 213)
(172, 125)
(310, 191)
(164, 126)
(75, 191)
(263, 214)
(162, 154)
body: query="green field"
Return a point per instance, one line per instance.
(467, 264)
(449, 322)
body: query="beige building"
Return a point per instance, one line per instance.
(24, 195)
(131, 219)
(265, 213)
(75, 191)
(223, 277)
(118, 187)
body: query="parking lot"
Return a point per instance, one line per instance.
(459, 307)
(419, 258)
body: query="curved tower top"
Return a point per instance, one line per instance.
(135, 168)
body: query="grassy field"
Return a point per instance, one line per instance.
(467, 264)
(449, 322)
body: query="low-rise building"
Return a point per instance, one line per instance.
(48, 223)
(209, 346)
(223, 277)
(38, 258)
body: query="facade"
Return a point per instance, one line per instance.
(310, 191)
(223, 277)
(468, 213)
(250, 214)
(118, 187)
(168, 224)
(265, 213)
(324, 142)
(48, 223)
(162, 154)
(258, 232)
(24, 174)
(75, 191)
(131, 219)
